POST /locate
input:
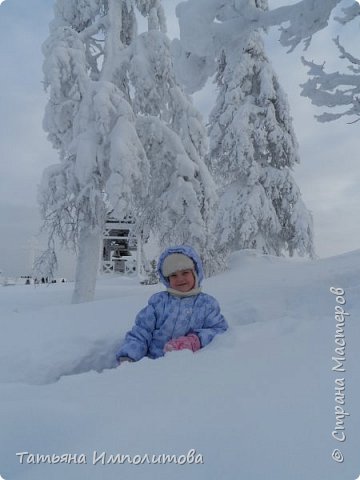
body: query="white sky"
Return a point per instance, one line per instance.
(328, 176)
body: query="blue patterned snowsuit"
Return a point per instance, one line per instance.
(168, 316)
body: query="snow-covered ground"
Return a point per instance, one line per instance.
(259, 402)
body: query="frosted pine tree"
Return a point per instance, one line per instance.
(90, 122)
(252, 152)
(182, 194)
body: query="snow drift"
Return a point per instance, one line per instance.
(257, 403)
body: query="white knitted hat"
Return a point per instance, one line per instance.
(175, 262)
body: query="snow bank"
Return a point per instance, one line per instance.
(256, 403)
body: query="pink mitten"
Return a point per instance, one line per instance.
(190, 342)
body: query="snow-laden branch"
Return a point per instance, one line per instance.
(334, 89)
(94, 28)
(209, 26)
(305, 19)
(347, 55)
(349, 14)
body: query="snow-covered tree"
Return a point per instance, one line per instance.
(91, 123)
(252, 152)
(336, 89)
(125, 132)
(182, 194)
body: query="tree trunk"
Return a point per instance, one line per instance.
(87, 265)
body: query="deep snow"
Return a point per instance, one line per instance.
(257, 403)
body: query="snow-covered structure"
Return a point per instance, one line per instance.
(120, 247)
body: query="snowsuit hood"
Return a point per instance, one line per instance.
(189, 252)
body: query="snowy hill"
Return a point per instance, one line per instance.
(259, 402)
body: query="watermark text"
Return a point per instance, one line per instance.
(104, 458)
(339, 359)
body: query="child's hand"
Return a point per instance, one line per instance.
(188, 342)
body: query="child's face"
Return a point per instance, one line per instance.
(182, 280)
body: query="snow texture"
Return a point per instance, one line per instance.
(258, 402)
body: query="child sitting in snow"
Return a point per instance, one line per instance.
(180, 318)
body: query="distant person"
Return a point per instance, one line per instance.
(182, 317)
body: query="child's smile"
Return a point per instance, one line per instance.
(183, 280)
